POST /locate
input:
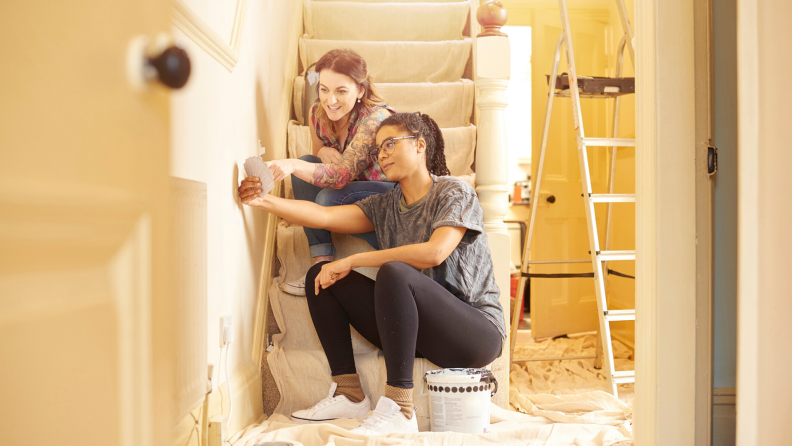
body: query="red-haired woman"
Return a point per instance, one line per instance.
(344, 123)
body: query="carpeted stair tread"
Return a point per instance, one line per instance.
(392, 1)
(389, 62)
(450, 104)
(385, 21)
(417, 53)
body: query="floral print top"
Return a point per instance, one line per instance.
(355, 163)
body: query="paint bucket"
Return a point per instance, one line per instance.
(459, 399)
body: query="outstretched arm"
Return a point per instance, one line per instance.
(336, 175)
(347, 219)
(420, 255)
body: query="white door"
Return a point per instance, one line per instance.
(562, 306)
(84, 302)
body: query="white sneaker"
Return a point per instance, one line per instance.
(296, 287)
(387, 419)
(332, 408)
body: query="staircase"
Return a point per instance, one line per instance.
(421, 58)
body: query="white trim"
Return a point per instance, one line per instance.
(724, 396)
(645, 413)
(130, 278)
(280, 152)
(665, 388)
(239, 24)
(205, 37)
(748, 222)
(704, 222)
(246, 388)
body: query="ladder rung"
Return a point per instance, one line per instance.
(620, 315)
(553, 262)
(586, 95)
(612, 198)
(558, 275)
(609, 142)
(627, 376)
(607, 256)
(558, 358)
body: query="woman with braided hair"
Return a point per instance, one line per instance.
(435, 276)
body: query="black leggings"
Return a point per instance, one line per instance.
(404, 313)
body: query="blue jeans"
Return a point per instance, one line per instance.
(319, 240)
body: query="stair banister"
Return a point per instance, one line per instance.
(492, 68)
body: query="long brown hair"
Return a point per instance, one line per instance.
(424, 127)
(348, 63)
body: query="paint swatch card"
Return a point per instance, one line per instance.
(255, 167)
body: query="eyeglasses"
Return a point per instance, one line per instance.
(387, 146)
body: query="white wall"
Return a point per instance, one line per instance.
(518, 116)
(217, 120)
(764, 402)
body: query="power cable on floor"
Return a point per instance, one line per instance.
(228, 389)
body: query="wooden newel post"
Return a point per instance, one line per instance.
(493, 65)
(492, 68)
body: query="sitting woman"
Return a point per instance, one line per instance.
(435, 295)
(344, 122)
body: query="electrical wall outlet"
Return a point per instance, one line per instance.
(216, 431)
(225, 320)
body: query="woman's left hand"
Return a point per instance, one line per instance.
(331, 273)
(280, 169)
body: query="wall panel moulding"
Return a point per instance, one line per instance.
(191, 24)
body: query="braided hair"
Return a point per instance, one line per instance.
(424, 127)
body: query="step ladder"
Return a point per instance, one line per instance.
(574, 86)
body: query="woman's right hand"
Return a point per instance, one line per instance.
(249, 192)
(329, 155)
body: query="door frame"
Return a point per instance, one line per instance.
(673, 291)
(763, 307)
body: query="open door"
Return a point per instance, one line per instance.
(562, 306)
(84, 254)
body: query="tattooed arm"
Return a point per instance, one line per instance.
(336, 175)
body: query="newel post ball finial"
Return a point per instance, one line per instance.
(491, 15)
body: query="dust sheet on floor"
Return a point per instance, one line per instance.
(552, 403)
(507, 428)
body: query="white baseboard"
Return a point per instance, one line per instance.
(248, 406)
(724, 416)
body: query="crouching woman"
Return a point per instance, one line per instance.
(435, 295)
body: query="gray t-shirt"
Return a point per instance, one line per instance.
(467, 272)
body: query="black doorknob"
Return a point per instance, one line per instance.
(551, 199)
(173, 67)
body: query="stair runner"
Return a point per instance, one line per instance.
(427, 69)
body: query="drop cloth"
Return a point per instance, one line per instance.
(555, 403)
(506, 428)
(566, 377)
